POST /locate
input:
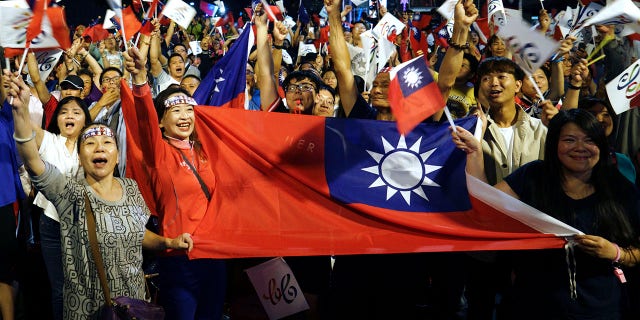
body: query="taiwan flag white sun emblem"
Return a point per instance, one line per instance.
(412, 77)
(402, 169)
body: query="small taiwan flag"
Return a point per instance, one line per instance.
(413, 94)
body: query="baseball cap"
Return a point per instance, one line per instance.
(73, 81)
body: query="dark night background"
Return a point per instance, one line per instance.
(83, 11)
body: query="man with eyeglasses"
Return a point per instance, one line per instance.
(107, 110)
(300, 87)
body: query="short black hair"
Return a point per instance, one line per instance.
(499, 64)
(110, 69)
(173, 55)
(473, 62)
(303, 74)
(324, 86)
(191, 76)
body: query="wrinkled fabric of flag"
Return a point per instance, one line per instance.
(292, 185)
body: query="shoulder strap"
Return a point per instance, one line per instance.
(202, 185)
(95, 251)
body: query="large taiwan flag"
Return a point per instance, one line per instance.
(226, 82)
(293, 185)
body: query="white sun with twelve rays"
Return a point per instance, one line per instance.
(412, 77)
(402, 170)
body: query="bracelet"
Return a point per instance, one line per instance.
(24, 140)
(275, 46)
(457, 46)
(141, 84)
(618, 253)
(558, 60)
(570, 86)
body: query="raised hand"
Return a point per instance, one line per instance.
(465, 12)
(18, 91)
(280, 32)
(545, 20)
(333, 6)
(566, 45)
(579, 72)
(260, 16)
(135, 63)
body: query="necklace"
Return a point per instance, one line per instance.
(180, 144)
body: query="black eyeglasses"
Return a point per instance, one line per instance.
(305, 87)
(112, 80)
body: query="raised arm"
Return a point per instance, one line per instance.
(579, 72)
(464, 15)
(94, 65)
(154, 49)
(545, 21)
(348, 91)
(18, 93)
(32, 64)
(279, 34)
(556, 83)
(266, 80)
(169, 34)
(139, 112)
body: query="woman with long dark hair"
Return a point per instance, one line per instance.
(576, 185)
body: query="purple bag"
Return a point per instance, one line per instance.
(125, 308)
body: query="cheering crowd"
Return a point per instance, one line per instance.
(550, 138)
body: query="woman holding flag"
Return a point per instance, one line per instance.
(575, 185)
(180, 181)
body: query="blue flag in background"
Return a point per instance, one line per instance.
(225, 84)
(303, 14)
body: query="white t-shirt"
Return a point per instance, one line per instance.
(54, 151)
(507, 135)
(163, 81)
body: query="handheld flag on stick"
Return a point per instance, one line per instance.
(47, 25)
(530, 49)
(413, 94)
(623, 90)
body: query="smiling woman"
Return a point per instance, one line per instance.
(181, 184)
(575, 185)
(115, 202)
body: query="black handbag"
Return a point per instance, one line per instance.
(120, 307)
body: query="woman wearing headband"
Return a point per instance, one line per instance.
(181, 180)
(57, 145)
(120, 211)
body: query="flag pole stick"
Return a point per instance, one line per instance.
(596, 59)
(24, 58)
(535, 86)
(603, 43)
(450, 119)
